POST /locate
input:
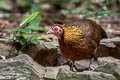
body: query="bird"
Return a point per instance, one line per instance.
(79, 39)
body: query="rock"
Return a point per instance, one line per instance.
(109, 47)
(87, 75)
(45, 53)
(25, 68)
(109, 65)
(110, 68)
(2, 57)
(20, 68)
(40, 69)
(51, 72)
(84, 64)
(105, 60)
(61, 60)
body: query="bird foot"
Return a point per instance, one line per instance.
(73, 69)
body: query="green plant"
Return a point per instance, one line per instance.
(22, 33)
(90, 9)
(89, 13)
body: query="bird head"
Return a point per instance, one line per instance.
(57, 30)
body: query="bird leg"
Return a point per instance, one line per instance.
(72, 66)
(91, 61)
(92, 58)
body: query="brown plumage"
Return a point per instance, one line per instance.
(79, 39)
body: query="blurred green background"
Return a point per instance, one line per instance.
(56, 11)
(104, 12)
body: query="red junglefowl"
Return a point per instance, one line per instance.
(79, 39)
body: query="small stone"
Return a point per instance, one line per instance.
(87, 75)
(51, 72)
(84, 64)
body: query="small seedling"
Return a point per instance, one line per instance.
(21, 36)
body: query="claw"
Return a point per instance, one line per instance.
(72, 67)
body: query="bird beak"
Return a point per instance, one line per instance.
(50, 31)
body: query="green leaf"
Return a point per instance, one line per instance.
(23, 34)
(107, 2)
(13, 32)
(37, 28)
(77, 1)
(83, 11)
(65, 12)
(21, 39)
(26, 30)
(36, 20)
(75, 11)
(29, 18)
(103, 13)
(45, 38)
(33, 37)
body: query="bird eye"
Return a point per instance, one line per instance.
(60, 30)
